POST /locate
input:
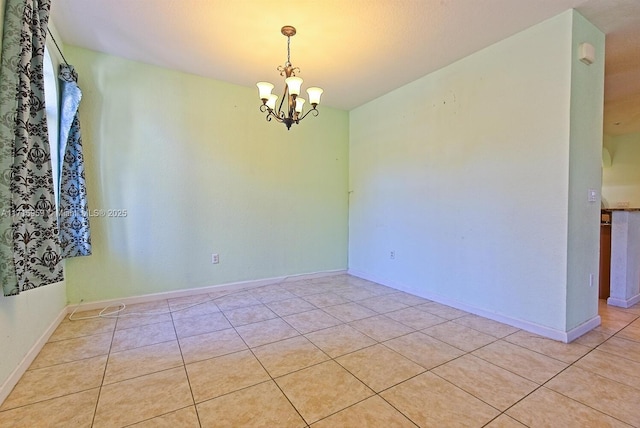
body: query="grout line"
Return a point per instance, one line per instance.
(184, 367)
(104, 374)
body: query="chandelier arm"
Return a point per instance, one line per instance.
(270, 114)
(314, 112)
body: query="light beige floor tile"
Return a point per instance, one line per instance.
(220, 293)
(194, 310)
(612, 367)
(373, 412)
(179, 303)
(546, 408)
(237, 300)
(348, 312)
(504, 421)
(415, 318)
(521, 361)
(622, 347)
(290, 306)
(322, 300)
(264, 332)
(443, 311)
(155, 307)
(593, 338)
(493, 385)
(73, 329)
(183, 418)
(303, 288)
(200, 324)
(321, 390)
(407, 299)
(268, 296)
(381, 328)
(74, 410)
(378, 289)
(64, 351)
(249, 315)
(136, 319)
(457, 335)
(431, 401)
(262, 405)
(289, 355)
(382, 304)
(608, 396)
(221, 375)
(339, 340)
(142, 398)
(357, 293)
(306, 322)
(423, 349)
(614, 319)
(55, 381)
(210, 345)
(142, 336)
(142, 361)
(567, 352)
(631, 332)
(379, 367)
(487, 326)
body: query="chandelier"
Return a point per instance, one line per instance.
(292, 112)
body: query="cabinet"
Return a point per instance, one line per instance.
(605, 257)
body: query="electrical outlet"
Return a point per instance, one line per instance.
(392, 255)
(591, 280)
(215, 259)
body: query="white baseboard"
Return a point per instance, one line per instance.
(583, 328)
(623, 303)
(559, 335)
(230, 287)
(17, 373)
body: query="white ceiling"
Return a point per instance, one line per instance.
(357, 50)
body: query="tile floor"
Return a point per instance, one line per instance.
(329, 352)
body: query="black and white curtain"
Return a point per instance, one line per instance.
(30, 253)
(75, 236)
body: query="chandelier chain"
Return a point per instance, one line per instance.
(289, 50)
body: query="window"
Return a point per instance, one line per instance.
(53, 114)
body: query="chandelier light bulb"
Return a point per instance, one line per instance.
(294, 84)
(264, 88)
(314, 95)
(299, 105)
(271, 101)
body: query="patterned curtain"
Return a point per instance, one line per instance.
(75, 236)
(29, 246)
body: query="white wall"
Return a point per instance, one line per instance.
(25, 318)
(585, 165)
(621, 179)
(464, 174)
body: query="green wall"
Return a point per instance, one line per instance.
(199, 170)
(464, 175)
